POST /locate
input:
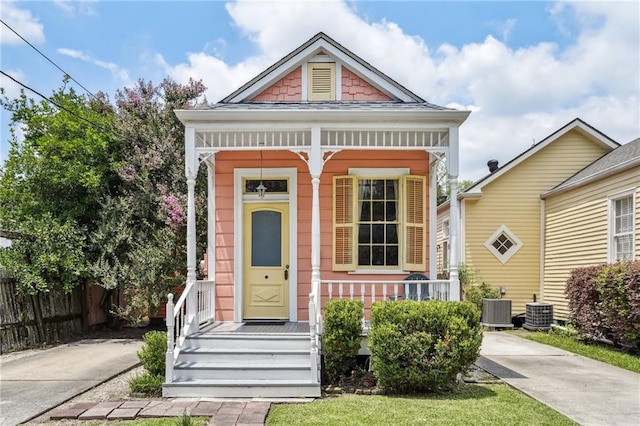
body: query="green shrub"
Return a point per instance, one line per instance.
(147, 384)
(342, 336)
(422, 346)
(604, 301)
(475, 293)
(153, 352)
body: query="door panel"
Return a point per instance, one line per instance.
(266, 261)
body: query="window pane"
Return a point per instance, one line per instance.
(364, 255)
(365, 211)
(392, 234)
(377, 255)
(364, 190)
(266, 236)
(364, 234)
(392, 255)
(391, 211)
(378, 189)
(276, 186)
(391, 189)
(378, 222)
(378, 211)
(377, 234)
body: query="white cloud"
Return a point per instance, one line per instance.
(76, 7)
(11, 88)
(120, 74)
(22, 22)
(516, 95)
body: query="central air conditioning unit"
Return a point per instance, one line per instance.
(538, 316)
(496, 313)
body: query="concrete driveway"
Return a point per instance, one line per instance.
(587, 391)
(33, 383)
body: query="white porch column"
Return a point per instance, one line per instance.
(433, 216)
(315, 169)
(211, 218)
(452, 170)
(191, 171)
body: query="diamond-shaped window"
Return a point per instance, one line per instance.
(503, 244)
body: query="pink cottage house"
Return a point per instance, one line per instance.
(321, 184)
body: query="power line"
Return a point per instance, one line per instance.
(47, 58)
(94, 124)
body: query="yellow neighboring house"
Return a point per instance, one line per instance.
(502, 214)
(592, 217)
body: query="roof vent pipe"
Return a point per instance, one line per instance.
(493, 165)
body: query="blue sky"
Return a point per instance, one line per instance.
(524, 68)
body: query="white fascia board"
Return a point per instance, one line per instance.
(595, 177)
(310, 53)
(576, 124)
(442, 119)
(279, 72)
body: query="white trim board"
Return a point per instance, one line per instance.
(239, 199)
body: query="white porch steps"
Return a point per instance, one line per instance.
(244, 365)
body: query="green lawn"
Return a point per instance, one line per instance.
(494, 405)
(593, 351)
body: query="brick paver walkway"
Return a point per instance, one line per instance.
(222, 413)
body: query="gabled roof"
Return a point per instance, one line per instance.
(596, 136)
(618, 160)
(316, 44)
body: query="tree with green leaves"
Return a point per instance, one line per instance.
(51, 185)
(97, 193)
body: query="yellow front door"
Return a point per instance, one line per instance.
(266, 261)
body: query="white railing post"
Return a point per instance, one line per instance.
(168, 375)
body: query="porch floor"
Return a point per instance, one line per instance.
(273, 328)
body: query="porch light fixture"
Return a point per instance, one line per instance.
(261, 189)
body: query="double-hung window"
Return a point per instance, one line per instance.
(621, 227)
(379, 223)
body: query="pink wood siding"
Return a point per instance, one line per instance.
(288, 88)
(356, 89)
(226, 162)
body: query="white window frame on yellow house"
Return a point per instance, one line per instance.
(411, 218)
(445, 245)
(615, 233)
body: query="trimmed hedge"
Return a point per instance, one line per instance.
(342, 336)
(422, 346)
(604, 302)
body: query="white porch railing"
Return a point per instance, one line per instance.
(370, 291)
(195, 306)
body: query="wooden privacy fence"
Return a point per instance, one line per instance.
(30, 321)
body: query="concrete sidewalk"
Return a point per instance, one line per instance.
(33, 383)
(587, 391)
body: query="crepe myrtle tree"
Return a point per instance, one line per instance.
(140, 240)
